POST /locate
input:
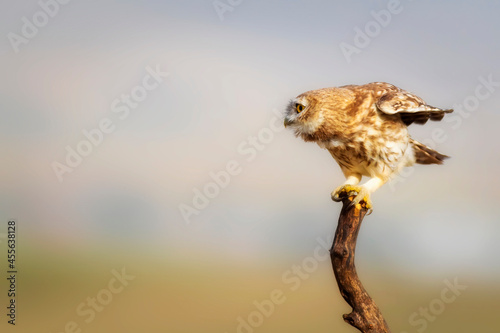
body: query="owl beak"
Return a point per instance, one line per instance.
(287, 122)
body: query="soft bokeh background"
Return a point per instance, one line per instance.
(120, 207)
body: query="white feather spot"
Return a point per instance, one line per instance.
(312, 125)
(336, 143)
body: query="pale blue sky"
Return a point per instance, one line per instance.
(225, 79)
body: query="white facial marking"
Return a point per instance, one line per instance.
(312, 125)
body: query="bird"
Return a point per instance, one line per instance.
(365, 129)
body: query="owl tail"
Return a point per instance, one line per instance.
(426, 155)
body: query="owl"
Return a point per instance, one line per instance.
(365, 129)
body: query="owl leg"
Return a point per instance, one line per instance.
(352, 180)
(366, 190)
(362, 193)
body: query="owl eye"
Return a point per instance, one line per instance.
(299, 107)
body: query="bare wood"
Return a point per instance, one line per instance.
(365, 315)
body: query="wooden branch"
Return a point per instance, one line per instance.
(365, 315)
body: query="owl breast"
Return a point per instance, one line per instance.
(371, 156)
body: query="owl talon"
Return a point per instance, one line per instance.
(336, 196)
(361, 195)
(344, 191)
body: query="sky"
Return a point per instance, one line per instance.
(176, 109)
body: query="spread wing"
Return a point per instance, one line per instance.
(411, 108)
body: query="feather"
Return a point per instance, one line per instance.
(426, 155)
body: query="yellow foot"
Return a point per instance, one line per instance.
(361, 195)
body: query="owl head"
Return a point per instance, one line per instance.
(302, 114)
(319, 114)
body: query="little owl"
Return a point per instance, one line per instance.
(365, 130)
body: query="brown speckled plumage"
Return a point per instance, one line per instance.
(365, 128)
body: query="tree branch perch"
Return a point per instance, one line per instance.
(365, 315)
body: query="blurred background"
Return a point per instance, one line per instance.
(155, 188)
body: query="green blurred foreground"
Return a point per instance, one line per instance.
(121, 290)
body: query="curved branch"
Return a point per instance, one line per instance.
(365, 315)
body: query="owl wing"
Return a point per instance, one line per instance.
(411, 108)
